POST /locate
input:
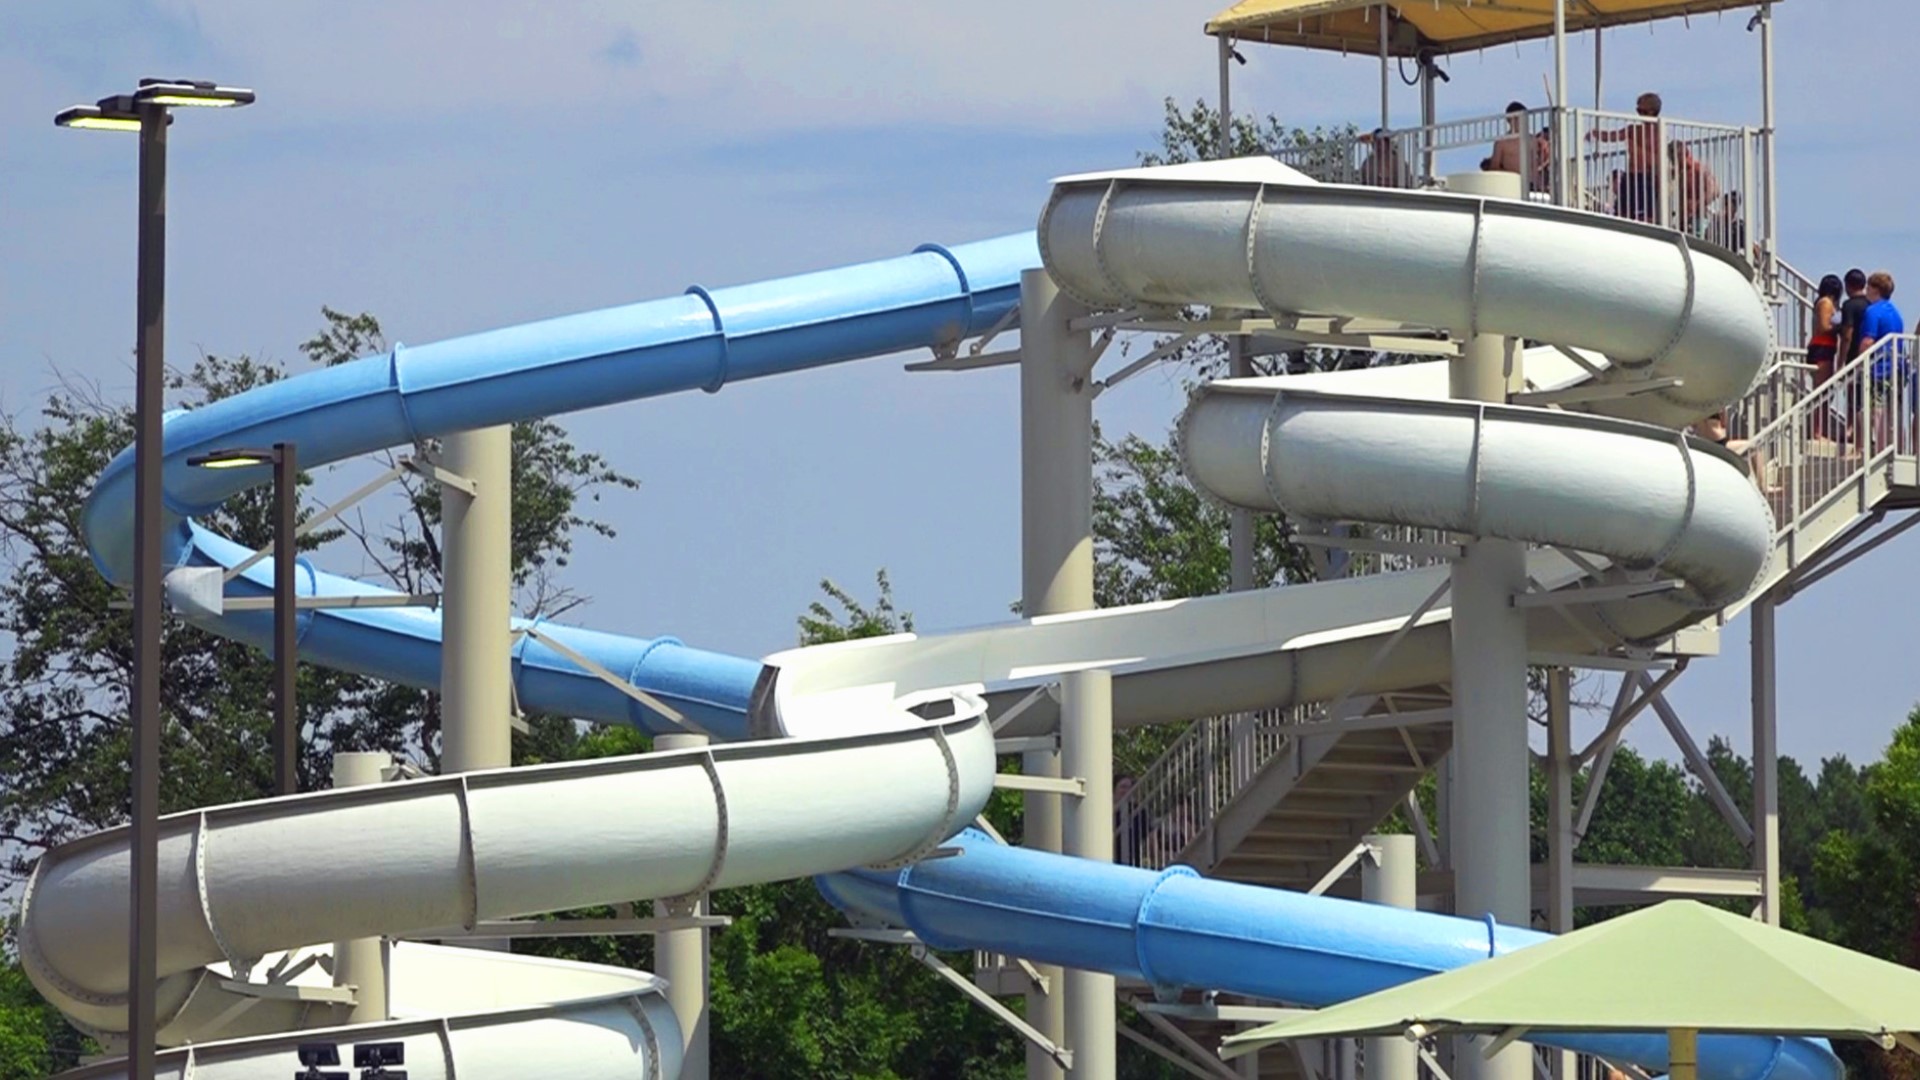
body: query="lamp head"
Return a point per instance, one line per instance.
(191, 93)
(117, 113)
(236, 458)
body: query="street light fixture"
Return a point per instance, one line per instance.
(112, 114)
(146, 111)
(285, 738)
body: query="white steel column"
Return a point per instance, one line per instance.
(1386, 66)
(1599, 66)
(1561, 840)
(1086, 736)
(1767, 144)
(1559, 54)
(682, 957)
(1239, 522)
(1391, 878)
(476, 607)
(1225, 149)
(1766, 761)
(362, 962)
(1056, 569)
(1428, 112)
(1491, 802)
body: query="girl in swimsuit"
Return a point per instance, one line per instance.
(1821, 346)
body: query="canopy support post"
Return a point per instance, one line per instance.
(1771, 243)
(1386, 73)
(1766, 762)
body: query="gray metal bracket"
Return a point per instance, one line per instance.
(920, 953)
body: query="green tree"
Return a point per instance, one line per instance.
(67, 660)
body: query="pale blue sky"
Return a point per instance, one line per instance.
(458, 167)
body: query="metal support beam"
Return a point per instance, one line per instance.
(682, 956)
(1389, 876)
(1837, 555)
(1061, 1058)
(1561, 838)
(477, 609)
(286, 620)
(360, 964)
(1488, 831)
(1766, 762)
(1086, 741)
(1056, 533)
(1190, 1066)
(1361, 851)
(1071, 786)
(1770, 271)
(1698, 764)
(1626, 708)
(313, 522)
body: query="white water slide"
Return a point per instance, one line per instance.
(1384, 445)
(872, 752)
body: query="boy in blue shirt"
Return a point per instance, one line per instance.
(1881, 320)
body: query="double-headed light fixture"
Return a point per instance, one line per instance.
(121, 112)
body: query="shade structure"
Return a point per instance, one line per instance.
(1436, 26)
(1680, 965)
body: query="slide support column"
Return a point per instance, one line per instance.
(683, 957)
(362, 962)
(1056, 532)
(1766, 761)
(1491, 802)
(1389, 877)
(1561, 839)
(476, 697)
(1086, 729)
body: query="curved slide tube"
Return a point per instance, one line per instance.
(701, 340)
(586, 1020)
(244, 880)
(1175, 929)
(1639, 494)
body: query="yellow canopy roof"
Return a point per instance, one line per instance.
(1442, 26)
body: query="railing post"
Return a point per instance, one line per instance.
(1662, 175)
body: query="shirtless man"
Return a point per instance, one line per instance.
(1518, 153)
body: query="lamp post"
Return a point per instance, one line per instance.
(285, 738)
(147, 111)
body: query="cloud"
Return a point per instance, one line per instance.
(729, 70)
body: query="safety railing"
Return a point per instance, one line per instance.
(1856, 421)
(1193, 780)
(1794, 295)
(1695, 177)
(1785, 382)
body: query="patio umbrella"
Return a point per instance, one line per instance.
(1680, 967)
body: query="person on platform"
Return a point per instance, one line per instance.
(1637, 191)
(1518, 152)
(1383, 166)
(1852, 309)
(1823, 347)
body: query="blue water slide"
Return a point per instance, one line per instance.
(703, 339)
(1174, 930)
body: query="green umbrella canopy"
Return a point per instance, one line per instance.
(1680, 965)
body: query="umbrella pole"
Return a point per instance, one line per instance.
(1683, 1054)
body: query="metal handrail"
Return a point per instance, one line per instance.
(1856, 421)
(1194, 779)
